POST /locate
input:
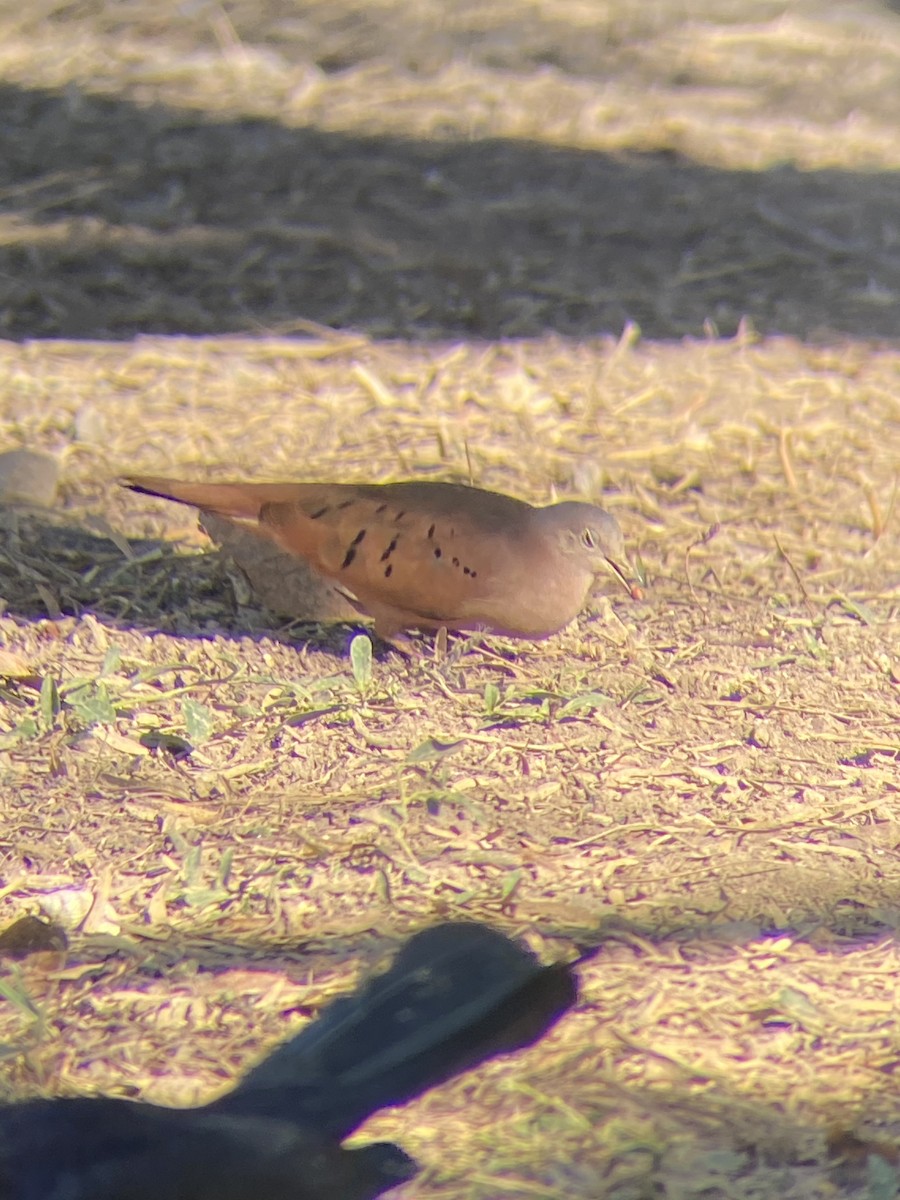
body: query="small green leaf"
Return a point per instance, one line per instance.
(491, 698)
(590, 700)
(511, 884)
(882, 1182)
(312, 714)
(383, 886)
(25, 730)
(49, 702)
(112, 660)
(223, 875)
(798, 1007)
(862, 612)
(92, 705)
(199, 720)
(204, 897)
(19, 999)
(361, 662)
(432, 750)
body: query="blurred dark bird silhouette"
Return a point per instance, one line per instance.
(455, 995)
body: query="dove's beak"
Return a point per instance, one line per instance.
(630, 581)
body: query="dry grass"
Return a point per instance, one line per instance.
(501, 169)
(229, 819)
(705, 768)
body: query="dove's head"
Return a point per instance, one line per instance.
(592, 537)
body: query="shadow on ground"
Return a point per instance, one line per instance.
(700, 1112)
(51, 568)
(129, 219)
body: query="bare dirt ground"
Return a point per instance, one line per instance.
(474, 199)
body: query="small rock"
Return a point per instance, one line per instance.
(31, 935)
(28, 477)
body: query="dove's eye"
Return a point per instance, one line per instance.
(588, 539)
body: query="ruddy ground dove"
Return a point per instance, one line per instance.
(427, 555)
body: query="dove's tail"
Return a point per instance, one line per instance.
(237, 501)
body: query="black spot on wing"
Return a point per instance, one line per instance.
(438, 553)
(320, 512)
(388, 570)
(351, 550)
(392, 546)
(431, 532)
